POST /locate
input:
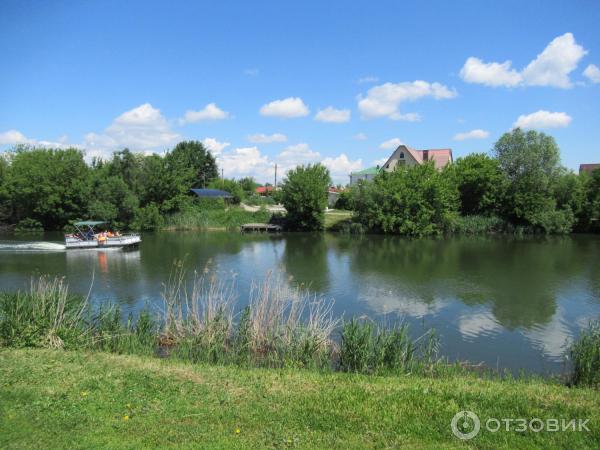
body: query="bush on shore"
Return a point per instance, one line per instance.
(585, 356)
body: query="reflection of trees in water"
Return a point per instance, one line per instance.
(519, 277)
(305, 259)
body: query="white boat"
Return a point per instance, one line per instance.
(87, 237)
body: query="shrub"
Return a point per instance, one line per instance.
(29, 226)
(585, 356)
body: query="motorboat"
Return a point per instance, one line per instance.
(86, 236)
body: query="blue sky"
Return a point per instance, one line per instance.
(292, 82)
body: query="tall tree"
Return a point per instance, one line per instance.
(480, 183)
(304, 195)
(49, 185)
(531, 161)
(193, 157)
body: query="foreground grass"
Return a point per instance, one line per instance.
(60, 399)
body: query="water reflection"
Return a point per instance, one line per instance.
(517, 301)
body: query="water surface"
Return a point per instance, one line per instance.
(510, 303)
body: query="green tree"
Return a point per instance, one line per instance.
(531, 162)
(589, 215)
(248, 185)
(231, 186)
(5, 203)
(48, 185)
(192, 159)
(304, 196)
(416, 201)
(480, 183)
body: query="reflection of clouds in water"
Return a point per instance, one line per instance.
(474, 325)
(553, 338)
(384, 300)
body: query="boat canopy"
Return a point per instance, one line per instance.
(88, 223)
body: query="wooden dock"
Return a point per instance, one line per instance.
(260, 227)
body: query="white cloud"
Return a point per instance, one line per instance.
(367, 79)
(297, 154)
(261, 138)
(209, 112)
(543, 119)
(13, 137)
(244, 161)
(379, 162)
(214, 146)
(390, 144)
(330, 114)
(360, 137)
(252, 71)
(287, 108)
(473, 134)
(592, 73)
(384, 100)
(490, 74)
(142, 129)
(550, 68)
(341, 166)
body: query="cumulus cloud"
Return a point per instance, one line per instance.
(543, 119)
(244, 161)
(330, 114)
(384, 100)
(143, 129)
(550, 68)
(490, 74)
(209, 112)
(13, 137)
(287, 108)
(341, 166)
(473, 134)
(261, 138)
(214, 146)
(297, 154)
(592, 73)
(390, 144)
(360, 137)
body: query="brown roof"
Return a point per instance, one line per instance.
(589, 168)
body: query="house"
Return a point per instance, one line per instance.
(333, 194)
(588, 168)
(264, 190)
(405, 155)
(366, 174)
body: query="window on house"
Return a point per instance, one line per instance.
(401, 155)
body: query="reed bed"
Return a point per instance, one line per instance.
(283, 325)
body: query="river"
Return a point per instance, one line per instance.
(508, 302)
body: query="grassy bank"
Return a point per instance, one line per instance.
(211, 217)
(62, 399)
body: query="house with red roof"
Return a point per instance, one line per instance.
(264, 190)
(406, 156)
(588, 168)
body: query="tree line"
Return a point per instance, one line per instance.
(520, 186)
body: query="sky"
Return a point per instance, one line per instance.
(286, 83)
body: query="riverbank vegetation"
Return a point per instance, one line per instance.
(520, 187)
(282, 326)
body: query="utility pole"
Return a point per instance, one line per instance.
(275, 185)
(222, 179)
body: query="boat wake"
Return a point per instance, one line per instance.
(31, 246)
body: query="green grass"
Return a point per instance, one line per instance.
(585, 354)
(333, 218)
(229, 218)
(63, 399)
